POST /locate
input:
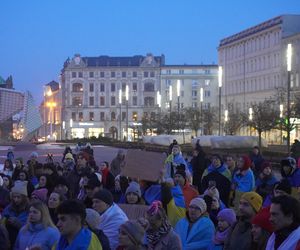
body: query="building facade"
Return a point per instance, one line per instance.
(254, 62)
(90, 86)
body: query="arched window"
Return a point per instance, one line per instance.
(149, 87)
(77, 87)
(149, 101)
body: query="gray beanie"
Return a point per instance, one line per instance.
(92, 218)
(135, 188)
(20, 187)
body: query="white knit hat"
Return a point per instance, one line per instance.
(200, 203)
(20, 187)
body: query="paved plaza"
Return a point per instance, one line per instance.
(101, 153)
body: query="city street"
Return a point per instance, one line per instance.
(101, 153)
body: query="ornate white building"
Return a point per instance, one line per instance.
(90, 94)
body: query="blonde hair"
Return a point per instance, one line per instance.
(46, 220)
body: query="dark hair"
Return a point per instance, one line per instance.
(9, 179)
(72, 207)
(26, 174)
(289, 206)
(10, 165)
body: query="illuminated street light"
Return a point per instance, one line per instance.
(289, 54)
(220, 75)
(120, 116)
(127, 98)
(250, 114)
(226, 115)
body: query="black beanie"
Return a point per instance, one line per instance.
(284, 185)
(181, 172)
(105, 196)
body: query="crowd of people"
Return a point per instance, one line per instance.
(205, 203)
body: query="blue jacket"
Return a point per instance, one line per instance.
(199, 236)
(9, 212)
(244, 183)
(37, 235)
(85, 239)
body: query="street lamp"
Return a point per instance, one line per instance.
(51, 106)
(127, 97)
(178, 104)
(220, 75)
(120, 104)
(281, 115)
(201, 102)
(289, 69)
(250, 117)
(226, 115)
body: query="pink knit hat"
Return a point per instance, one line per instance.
(40, 194)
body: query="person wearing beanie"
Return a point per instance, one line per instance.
(61, 186)
(92, 221)
(265, 180)
(16, 213)
(34, 167)
(73, 233)
(216, 204)
(226, 221)
(291, 172)
(189, 192)
(261, 229)
(68, 162)
(40, 195)
(219, 174)
(195, 230)
(285, 221)
(111, 215)
(241, 237)
(131, 236)
(133, 194)
(159, 232)
(243, 180)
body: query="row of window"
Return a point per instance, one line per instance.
(113, 74)
(113, 116)
(182, 71)
(252, 45)
(78, 102)
(78, 87)
(253, 65)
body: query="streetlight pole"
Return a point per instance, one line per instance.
(289, 68)
(158, 99)
(170, 103)
(201, 110)
(281, 115)
(250, 119)
(127, 97)
(178, 103)
(225, 116)
(120, 117)
(220, 73)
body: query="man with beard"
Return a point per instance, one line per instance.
(285, 219)
(240, 237)
(16, 213)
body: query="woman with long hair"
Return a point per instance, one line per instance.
(39, 230)
(8, 167)
(55, 199)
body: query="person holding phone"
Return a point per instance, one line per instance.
(218, 175)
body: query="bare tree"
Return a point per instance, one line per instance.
(209, 119)
(265, 117)
(193, 118)
(236, 120)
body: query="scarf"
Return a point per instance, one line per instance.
(105, 173)
(81, 241)
(153, 237)
(220, 237)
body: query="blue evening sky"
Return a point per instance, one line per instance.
(36, 36)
